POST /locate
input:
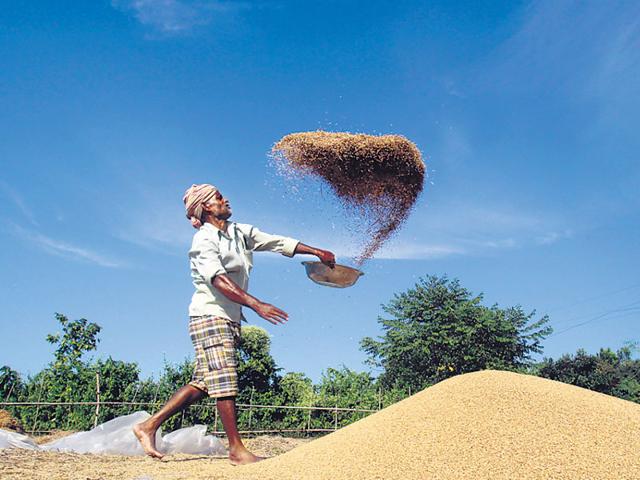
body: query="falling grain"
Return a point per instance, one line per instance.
(377, 179)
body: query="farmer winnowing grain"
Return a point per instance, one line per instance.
(221, 260)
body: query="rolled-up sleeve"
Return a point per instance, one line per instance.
(206, 258)
(264, 242)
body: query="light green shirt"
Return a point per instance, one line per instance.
(214, 252)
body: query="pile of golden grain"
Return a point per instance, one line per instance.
(376, 178)
(484, 425)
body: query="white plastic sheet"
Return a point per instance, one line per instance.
(193, 440)
(10, 439)
(116, 437)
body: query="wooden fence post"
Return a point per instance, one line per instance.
(215, 417)
(95, 420)
(35, 420)
(10, 392)
(135, 394)
(155, 397)
(250, 409)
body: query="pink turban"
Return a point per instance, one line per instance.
(194, 198)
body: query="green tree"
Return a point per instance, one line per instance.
(345, 388)
(118, 382)
(72, 378)
(77, 337)
(292, 389)
(11, 384)
(438, 329)
(609, 372)
(67, 379)
(257, 369)
(295, 388)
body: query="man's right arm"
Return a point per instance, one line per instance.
(233, 292)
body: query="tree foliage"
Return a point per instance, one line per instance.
(77, 337)
(257, 369)
(438, 329)
(609, 372)
(11, 384)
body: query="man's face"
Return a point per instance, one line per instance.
(219, 207)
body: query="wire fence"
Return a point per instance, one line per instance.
(306, 429)
(40, 413)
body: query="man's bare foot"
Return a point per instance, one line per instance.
(243, 457)
(147, 439)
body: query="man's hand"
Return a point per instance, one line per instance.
(270, 313)
(234, 293)
(326, 257)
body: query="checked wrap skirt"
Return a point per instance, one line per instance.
(215, 340)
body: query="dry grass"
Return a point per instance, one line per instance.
(8, 422)
(484, 425)
(376, 178)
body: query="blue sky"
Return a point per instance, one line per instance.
(526, 112)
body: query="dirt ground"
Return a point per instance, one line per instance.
(16, 464)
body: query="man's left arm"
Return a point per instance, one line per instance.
(260, 242)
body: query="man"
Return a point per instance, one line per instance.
(221, 260)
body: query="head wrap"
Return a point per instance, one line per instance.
(194, 198)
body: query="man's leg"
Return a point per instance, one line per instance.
(238, 453)
(146, 431)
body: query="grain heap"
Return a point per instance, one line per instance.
(483, 425)
(376, 178)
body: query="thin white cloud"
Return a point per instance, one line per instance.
(478, 223)
(553, 237)
(66, 250)
(587, 51)
(418, 251)
(161, 229)
(501, 243)
(154, 219)
(449, 231)
(175, 17)
(583, 58)
(18, 201)
(446, 230)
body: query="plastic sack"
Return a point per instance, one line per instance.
(10, 439)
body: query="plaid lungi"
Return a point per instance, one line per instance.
(215, 340)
